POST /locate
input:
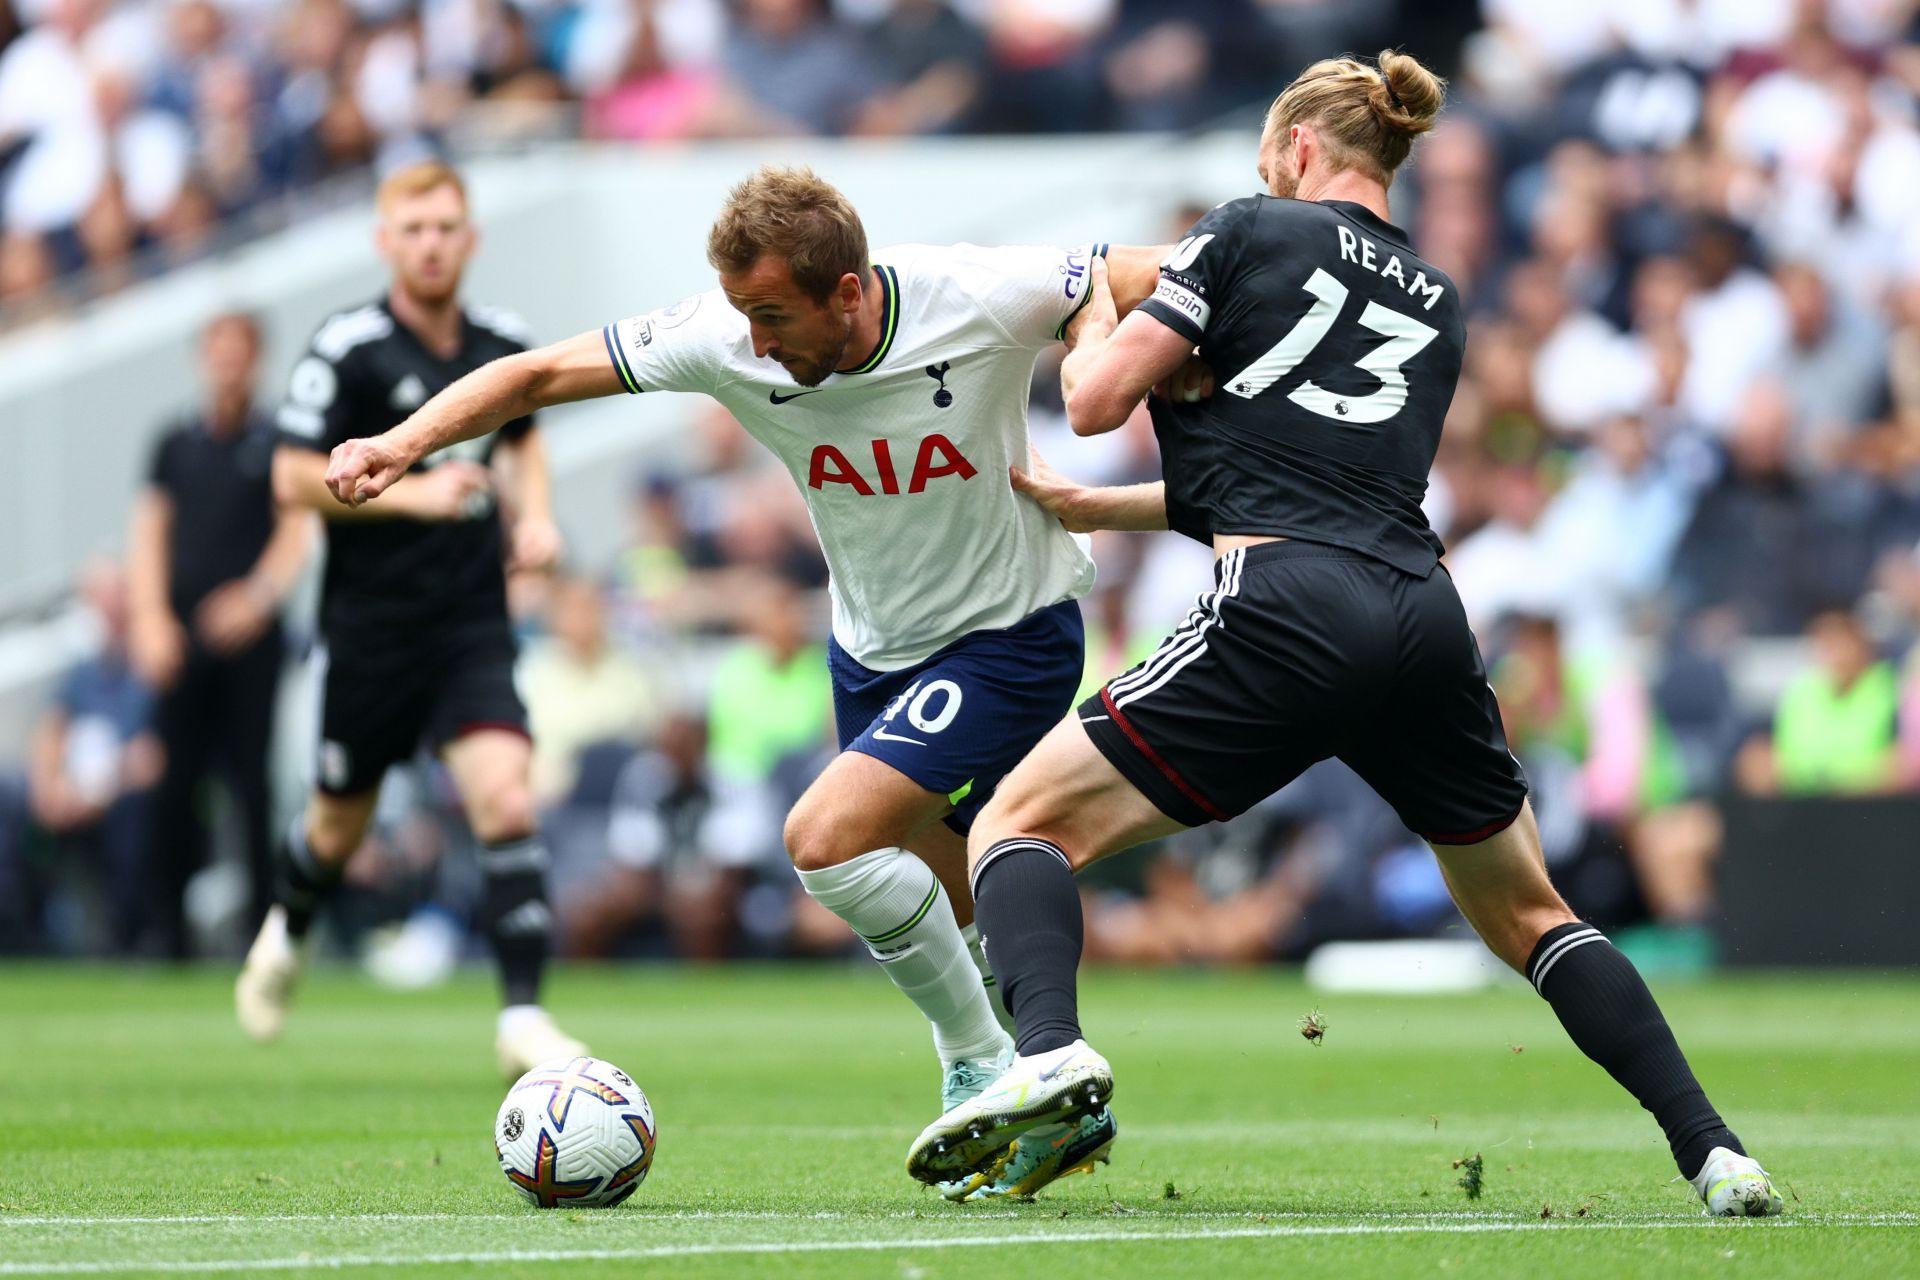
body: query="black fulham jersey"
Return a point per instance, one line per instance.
(1335, 351)
(364, 372)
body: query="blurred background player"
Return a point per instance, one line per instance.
(210, 561)
(1331, 629)
(942, 678)
(419, 650)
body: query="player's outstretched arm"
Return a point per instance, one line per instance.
(483, 401)
(456, 490)
(1113, 363)
(1087, 508)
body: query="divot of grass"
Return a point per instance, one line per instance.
(1472, 1175)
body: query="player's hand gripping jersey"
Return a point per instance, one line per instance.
(903, 461)
(1335, 351)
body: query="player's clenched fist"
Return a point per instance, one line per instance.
(1190, 383)
(361, 470)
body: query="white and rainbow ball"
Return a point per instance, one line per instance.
(575, 1132)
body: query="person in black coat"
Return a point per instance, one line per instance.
(211, 561)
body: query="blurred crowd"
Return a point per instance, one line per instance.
(1679, 483)
(130, 130)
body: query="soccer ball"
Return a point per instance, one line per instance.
(575, 1131)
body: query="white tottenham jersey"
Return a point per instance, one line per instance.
(903, 461)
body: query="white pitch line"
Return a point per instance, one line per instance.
(481, 1258)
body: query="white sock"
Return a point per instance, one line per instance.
(515, 1017)
(971, 936)
(893, 901)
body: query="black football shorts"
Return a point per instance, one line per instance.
(385, 695)
(1304, 651)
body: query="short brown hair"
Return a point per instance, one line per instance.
(787, 210)
(1369, 116)
(245, 321)
(417, 180)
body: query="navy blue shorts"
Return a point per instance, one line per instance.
(959, 721)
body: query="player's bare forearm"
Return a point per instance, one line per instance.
(481, 402)
(528, 478)
(300, 482)
(1082, 360)
(1104, 377)
(511, 387)
(1088, 333)
(1138, 508)
(1133, 273)
(1087, 508)
(285, 554)
(526, 483)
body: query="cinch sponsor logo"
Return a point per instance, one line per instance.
(1074, 269)
(937, 457)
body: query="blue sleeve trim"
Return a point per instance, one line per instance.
(1098, 250)
(619, 359)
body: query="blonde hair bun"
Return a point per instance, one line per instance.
(1367, 116)
(1408, 96)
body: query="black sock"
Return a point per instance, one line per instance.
(514, 913)
(1028, 910)
(303, 881)
(1607, 1009)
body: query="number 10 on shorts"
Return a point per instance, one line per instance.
(930, 706)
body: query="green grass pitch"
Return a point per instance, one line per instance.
(139, 1134)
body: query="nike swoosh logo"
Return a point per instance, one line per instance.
(776, 398)
(881, 732)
